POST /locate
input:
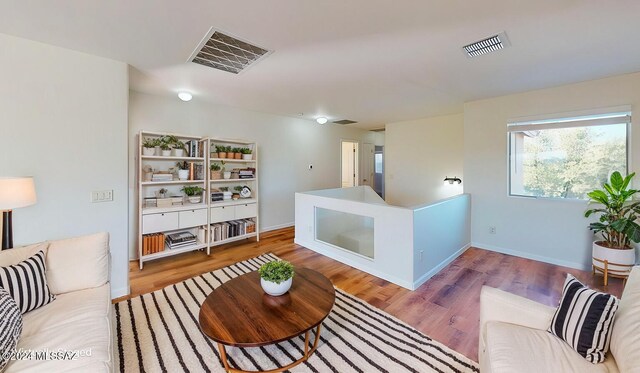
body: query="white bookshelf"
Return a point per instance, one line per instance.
(197, 218)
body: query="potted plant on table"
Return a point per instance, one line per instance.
(617, 225)
(246, 154)
(276, 277)
(193, 193)
(183, 170)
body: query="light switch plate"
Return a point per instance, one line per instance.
(102, 196)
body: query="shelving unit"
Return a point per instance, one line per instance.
(201, 218)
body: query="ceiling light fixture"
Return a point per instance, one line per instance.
(322, 120)
(487, 45)
(185, 96)
(451, 180)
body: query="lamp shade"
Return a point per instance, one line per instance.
(16, 192)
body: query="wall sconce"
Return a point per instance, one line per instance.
(451, 180)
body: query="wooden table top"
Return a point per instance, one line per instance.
(239, 313)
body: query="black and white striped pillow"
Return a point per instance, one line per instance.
(27, 283)
(10, 326)
(584, 319)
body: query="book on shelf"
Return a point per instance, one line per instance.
(179, 237)
(233, 228)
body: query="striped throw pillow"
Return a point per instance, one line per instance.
(584, 319)
(27, 283)
(10, 326)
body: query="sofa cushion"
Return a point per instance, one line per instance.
(79, 321)
(10, 326)
(625, 338)
(20, 254)
(78, 263)
(584, 319)
(513, 348)
(27, 283)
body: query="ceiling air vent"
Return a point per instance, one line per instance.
(226, 53)
(487, 45)
(345, 121)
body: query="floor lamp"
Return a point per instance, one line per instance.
(15, 192)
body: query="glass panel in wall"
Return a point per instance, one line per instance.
(345, 230)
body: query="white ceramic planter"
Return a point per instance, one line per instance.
(148, 151)
(178, 152)
(183, 174)
(274, 289)
(195, 199)
(226, 174)
(166, 153)
(158, 151)
(247, 157)
(616, 256)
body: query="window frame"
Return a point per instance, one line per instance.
(557, 122)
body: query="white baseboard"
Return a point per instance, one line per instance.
(121, 292)
(279, 226)
(526, 255)
(439, 267)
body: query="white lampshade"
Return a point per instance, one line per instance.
(16, 192)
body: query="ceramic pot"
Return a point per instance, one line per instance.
(148, 151)
(178, 152)
(227, 174)
(166, 153)
(222, 155)
(238, 155)
(183, 174)
(194, 199)
(617, 256)
(274, 289)
(247, 157)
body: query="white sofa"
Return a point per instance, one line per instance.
(514, 337)
(80, 318)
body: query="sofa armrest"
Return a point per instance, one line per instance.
(501, 306)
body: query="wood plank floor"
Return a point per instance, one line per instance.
(446, 307)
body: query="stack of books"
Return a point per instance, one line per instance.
(232, 228)
(152, 243)
(217, 196)
(247, 173)
(180, 239)
(162, 177)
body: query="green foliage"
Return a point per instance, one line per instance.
(215, 167)
(570, 162)
(220, 149)
(618, 213)
(227, 149)
(151, 142)
(224, 189)
(277, 271)
(245, 151)
(192, 190)
(184, 165)
(235, 150)
(165, 146)
(172, 142)
(237, 188)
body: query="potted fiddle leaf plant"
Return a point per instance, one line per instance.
(276, 277)
(193, 193)
(617, 224)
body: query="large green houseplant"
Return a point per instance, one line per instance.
(617, 224)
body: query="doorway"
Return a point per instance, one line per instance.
(349, 163)
(378, 170)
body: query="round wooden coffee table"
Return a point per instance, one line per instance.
(238, 313)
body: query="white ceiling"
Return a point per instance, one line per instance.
(374, 61)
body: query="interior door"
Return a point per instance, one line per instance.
(349, 163)
(367, 165)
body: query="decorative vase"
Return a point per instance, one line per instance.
(247, 157)
(148, 151)
(226, 174)
(183, 174)
(274, 289)
(614, 257)
(194, 199)
(178, 152)
(238, 155)
(216, 175)
(166, 153)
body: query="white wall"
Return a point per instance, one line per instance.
(418, 156)
(550, 230)
(286, 147)
(63, 120)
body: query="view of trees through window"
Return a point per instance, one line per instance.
(566, 162)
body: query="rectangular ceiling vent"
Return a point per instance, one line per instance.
(345, 121)
(226, 53)
(487, 45)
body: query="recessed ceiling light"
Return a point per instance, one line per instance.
(185, 96)
(487, 45)
(321, 120)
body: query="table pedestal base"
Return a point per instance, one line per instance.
(307, 354)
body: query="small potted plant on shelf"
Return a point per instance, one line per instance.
(231, 152)
(225, 174)
(178, 148)
(238, 153)
(247, 154)
(617, 225)
(193, 193)
(236, 194)
(149, 146)
(183, 170)
(276, 277)
(222, 151)
(216, 173)
(165, 149)
(162, 193)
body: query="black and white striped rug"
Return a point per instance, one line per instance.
(159, 332)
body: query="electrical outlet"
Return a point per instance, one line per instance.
(421, 252)
(492, 230)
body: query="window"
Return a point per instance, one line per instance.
(378, 163)
(566, 158)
